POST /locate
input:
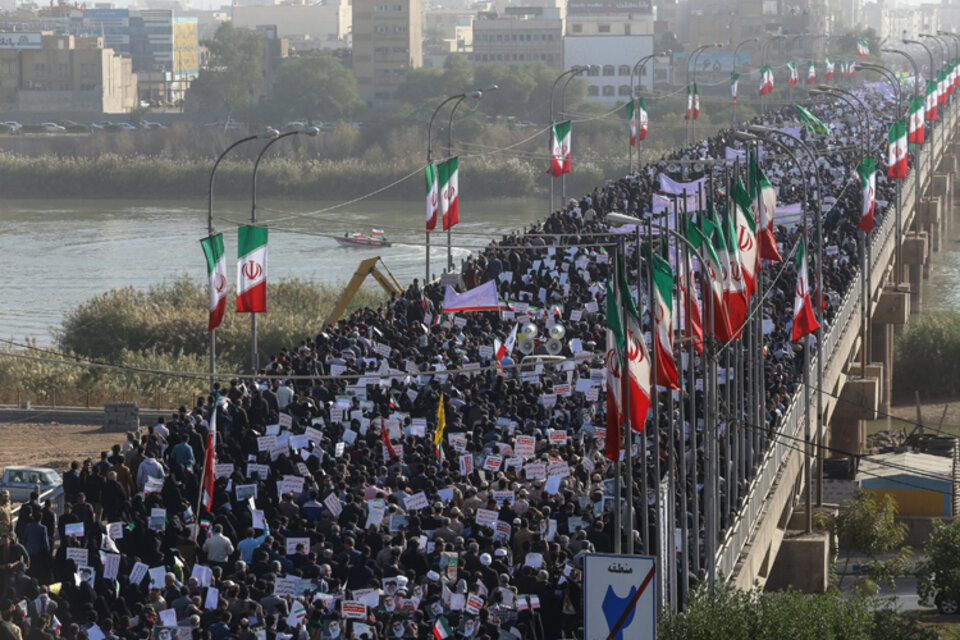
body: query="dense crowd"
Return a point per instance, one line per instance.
(334, 512)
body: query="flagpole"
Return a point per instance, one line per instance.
(617, 466)
(644, 488)
(685, 300)
(655, 403)
(711, 494)
(627, 427)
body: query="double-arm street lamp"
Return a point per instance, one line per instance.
(638, 72)
(736, 61)
(569, 74)
(692, 62)
(268, 134)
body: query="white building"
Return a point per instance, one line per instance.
(616, 56)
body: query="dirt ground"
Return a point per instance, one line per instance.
(904, 416)
(52, 445)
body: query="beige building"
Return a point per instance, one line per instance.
(387, 43)
(67, 73)
(327, 25)
(535, 35)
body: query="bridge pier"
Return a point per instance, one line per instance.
(889, 317)
(914, 258)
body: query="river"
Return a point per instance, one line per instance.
(59, 253)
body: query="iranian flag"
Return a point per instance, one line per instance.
(794, 76)
(614, 394)
(931, 103)
(689, 102)
(734, 84)
(449, 174)
(631, 117)
(442, 629)
(811, 72)
(251, 269)
(829, 64)
(915, 134)
(897, 150)
(766, 80)
(804, 319)
(690, 307)
(941, 87)
(736, 296)
(952, 77)
(560, 149)
(642, 118)
(663, 323)
(868, 186)
(433, 195)
(696, 101)
(766, 205)
(956, 72)
(502, 349)
(852, 69)
(746, 236)
(715, 271)
(216, 278)
(863, 47)
(209, 460)
(637, 359)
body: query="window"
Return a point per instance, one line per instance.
(398, 7)
(625, 90)
(608, 70)
(626, 29)
(380, 29)
(593, 71)
(609, 90)
(380, 8)
(603, 28)
(576, 28)
(400, 29)
(593, 90)
(624, 70)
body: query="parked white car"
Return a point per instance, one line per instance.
(20, 481)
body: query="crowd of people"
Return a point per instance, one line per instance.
(345, 506)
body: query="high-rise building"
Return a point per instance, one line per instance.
(387, 43)
(520, 34)
(327, 24)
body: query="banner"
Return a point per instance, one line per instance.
(482, 298)
(669, 185)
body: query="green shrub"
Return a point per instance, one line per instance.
(927, 356)
(33, 128)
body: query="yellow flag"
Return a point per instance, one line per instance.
(441, 423)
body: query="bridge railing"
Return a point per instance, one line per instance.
(785, 440)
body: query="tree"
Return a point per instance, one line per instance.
(235, 72)
(866, 526)
(938, 577)
(315, 87)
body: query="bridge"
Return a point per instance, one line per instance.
(770, 524)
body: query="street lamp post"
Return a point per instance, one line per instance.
(309, 131)
(553, 120)
(916, 96)
(637, 70)
(692, 62)
(736, 53)
(476, 94)
(767, 132)
(563, 107)
(766, 48)
(933, 74)
(269, 134)
(895, 83)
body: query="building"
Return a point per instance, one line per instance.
(387, 43)
(164, 49)
(613, 58)
(922, 484)
(60, 74)
(326, 25)
(521, 34)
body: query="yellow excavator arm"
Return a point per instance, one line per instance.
(366, 268)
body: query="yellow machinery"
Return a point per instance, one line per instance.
(366, 268)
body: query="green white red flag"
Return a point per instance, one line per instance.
(915, 134)
(868, 186)
(811, 72)
(663, 323)
(696, 101)
(209, 461)
(764, 205)
(746, 236)
(449, 178)
(897, 150)
(714, 280)
(736, 296)
(632, 119)
(433, 195)
(616, 340)
(642, 119)
(216, 278)
(829, 64)
(794, 75)
(863, 47)
(734, 85)
(251, 269)
(560, 149)
(442, 629)
(766, 80)
(804, 319)
(636, 356)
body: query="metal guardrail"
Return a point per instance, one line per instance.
(747, 520)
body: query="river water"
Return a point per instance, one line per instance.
(58, 253)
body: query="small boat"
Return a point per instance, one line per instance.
(376, 239)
